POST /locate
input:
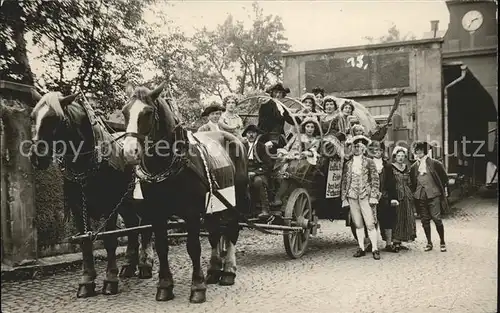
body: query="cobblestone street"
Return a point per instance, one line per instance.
(326, 279)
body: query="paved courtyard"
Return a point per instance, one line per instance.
(327, 279)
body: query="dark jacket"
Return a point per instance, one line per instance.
(272, 123)
(388, 182)
(262, 163)
(439, 175)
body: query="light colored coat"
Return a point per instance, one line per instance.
(369, 179)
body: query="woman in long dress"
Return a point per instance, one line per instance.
(405, 229)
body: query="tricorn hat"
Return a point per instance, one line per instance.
(360, 138)
(214, 107)
(421, 145)
(251, 128)
(278, 87)
(317, 90)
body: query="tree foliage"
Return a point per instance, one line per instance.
(14, 63)
(100, 46)
(253, 54)
(93, 46)
(393, 35)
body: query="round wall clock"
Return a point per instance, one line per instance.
(472, 20)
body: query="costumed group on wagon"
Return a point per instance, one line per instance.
(373, 189)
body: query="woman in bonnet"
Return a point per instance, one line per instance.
(405, 229)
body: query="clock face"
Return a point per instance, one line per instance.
(472, 20)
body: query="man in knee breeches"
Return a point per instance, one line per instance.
(360, 191)
(429, 183)
(259, 169)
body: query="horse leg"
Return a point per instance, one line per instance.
(231, 234)
(110, 285)
(146, 256)
(86, 286)
(198, 286)
(215, 265)
(132, 254)
(165, 287)
(231, 231)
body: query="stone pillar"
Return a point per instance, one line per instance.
(429, 108)
(19, 235)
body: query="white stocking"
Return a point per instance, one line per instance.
(360, 232)
(373, 234)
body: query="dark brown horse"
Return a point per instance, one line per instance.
(173, 165)
(93, 186)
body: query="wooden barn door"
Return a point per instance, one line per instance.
(401, 131)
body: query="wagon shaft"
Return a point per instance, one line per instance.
(124, 232)
(274, 227)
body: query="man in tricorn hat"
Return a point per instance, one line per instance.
(272, 118)
(429, 183)
(260, 167)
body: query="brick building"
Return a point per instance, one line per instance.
(450, 84)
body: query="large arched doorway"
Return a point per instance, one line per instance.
(471, 112)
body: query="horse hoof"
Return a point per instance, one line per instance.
(110, 287)
(127, 271)
(227, 279)
(165, 294)
(86, 290)
(197, 296)
(145, 272)
(213, 277)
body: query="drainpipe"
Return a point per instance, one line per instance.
(445, 113)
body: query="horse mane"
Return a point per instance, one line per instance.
(52, 100)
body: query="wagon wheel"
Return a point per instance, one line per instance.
(298, 209)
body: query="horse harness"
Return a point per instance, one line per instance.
(180, 162)
(96, 160)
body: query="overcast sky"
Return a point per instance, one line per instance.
(308, 25)
(319, 24)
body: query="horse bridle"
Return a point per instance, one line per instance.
(69, 174)
(176, 164)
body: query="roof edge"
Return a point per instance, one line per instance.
(367, 47)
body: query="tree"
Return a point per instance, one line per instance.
(93, 46)
(252, 56)
(393, 35)
(259, 50)
(14, 63)
(212, 54)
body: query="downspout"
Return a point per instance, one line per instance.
(445, 113)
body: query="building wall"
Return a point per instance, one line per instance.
(421, 107)
(477, 49)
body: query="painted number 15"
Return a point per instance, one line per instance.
(357, 62)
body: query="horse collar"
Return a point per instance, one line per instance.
(176, 165)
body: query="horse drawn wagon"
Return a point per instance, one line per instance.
(302, 178)
(181, 179)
